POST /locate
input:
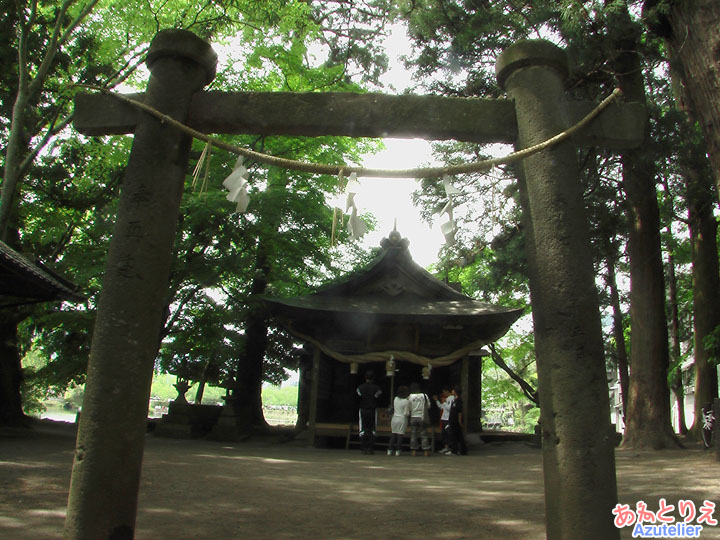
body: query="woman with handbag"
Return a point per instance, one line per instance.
(399, 420)
(419, 416)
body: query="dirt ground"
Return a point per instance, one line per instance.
(266, 489)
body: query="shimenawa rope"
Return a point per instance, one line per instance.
(334, 170)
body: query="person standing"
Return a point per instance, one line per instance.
(455, 425)
(368, 393)
(399, 420)
(419, 411)
(444, 403)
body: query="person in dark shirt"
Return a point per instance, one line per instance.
(455, 425)
(368, 393)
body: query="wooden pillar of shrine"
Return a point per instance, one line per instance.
(473, 399)
(465, 389)
(314, 392)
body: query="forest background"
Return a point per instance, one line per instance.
(652, 210)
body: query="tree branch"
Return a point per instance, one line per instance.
(64, 241)
(53, 130)
(22, 49)
(50, 52)
(56, 41)
(178, 311)
(526, 387)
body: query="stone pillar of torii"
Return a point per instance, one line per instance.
(578, 453)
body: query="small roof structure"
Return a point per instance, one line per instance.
(22, 281)
(393, 307)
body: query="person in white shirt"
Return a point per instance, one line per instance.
(419, 418)
(399, 420)
(444, 404)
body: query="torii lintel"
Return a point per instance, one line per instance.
(361, 115)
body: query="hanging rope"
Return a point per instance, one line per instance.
(383, 356)
(334, 170)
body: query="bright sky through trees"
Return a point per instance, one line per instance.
(387, 199)
(390, 198)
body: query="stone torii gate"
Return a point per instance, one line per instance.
(578, 453)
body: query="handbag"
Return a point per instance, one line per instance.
(426, 411)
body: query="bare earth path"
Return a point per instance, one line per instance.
(263, 489)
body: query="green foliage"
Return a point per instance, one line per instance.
(455, 49)
(502, 393)
(200, 344)
(74, 396)
(163, 390)
(280, 395)
(66, 209)
(62, 340)
(33, 395)
(711, 343)
(351, 32)
(489, 256)
(224, 262)
(458, 42)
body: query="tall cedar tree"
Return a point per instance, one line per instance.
(648, 410)
(690, 28)
(458, 40)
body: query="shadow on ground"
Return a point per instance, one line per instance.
(263, 489)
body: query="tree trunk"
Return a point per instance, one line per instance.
(648, 410)
(203, 381)
(619, 334)
(11, 172)
(305, 365)
(691, 31)
(11, 412)
(706, 285)
(248, 384)
(200, 391)
(675, 377)
(703, 240)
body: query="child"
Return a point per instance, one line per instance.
(399, 420)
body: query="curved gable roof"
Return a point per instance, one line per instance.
(393, 286)
(392, 273)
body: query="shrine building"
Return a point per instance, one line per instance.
(394, 318)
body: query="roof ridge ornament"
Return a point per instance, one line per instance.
(394, 240)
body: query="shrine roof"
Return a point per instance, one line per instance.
(380, 305)
(22, 279)
(394, 285)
